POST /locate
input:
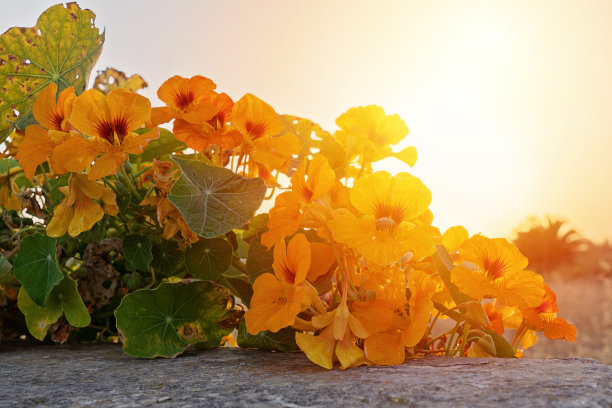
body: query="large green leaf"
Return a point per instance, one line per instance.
(63, 299)
(62, 47)
(214, 200)
(165, 144)
(164, 321)
(137, 250)
(208, 258)
(444, 265)
(283, 340)
(36, 267)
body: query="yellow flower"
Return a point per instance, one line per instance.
(78, 211)
(497, 272)
(367, 132)
(389, 227)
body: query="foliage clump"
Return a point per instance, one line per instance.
(119, 229)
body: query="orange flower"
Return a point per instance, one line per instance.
(498, 273)
(78, 212)
(277, 299)
(40, 141)
(316, 183)
(214, 131)
(544, 318)
(110, 120)
(260, 125)
(389, 228)
(185, 98)
(397, 326)
(292, 208)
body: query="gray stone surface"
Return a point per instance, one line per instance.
(101, 375)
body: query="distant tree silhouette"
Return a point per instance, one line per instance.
(548, 245)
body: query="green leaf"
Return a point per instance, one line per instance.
(137, 251)
(256, 225)
(63, 299)
(36, 267)
(62, 47)
(208, 258)
(164, 321)
(444, 265)
(502, 347)
(283, 340)
(167, 259)
(260, 259)
(165, 144)
(239, 285)
(6, 274)
(214, 200)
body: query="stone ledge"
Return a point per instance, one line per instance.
(101, 375)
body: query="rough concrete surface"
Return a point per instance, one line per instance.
(101, 375)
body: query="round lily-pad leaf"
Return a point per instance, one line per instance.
(208, 258)
(162, 322)
(214, 200)
(36, 267)
(137, 250)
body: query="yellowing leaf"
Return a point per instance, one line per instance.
(63, 299)
(112, 78)
(62, 47)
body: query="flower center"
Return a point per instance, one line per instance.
(113, 131)
(255, 129)
(495, 268)
(184, 99)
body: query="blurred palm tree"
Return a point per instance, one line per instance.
(548, 245)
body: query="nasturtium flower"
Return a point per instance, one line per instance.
(367, 132)
(387, 230)
(544, 318)
(80, 209)
(214, 131)
(40, 140)
(292, 208)
(498, 272)
(110, 120)
(185, 98)
(318, 181)
(340, 330)
(260, 126)
(277, 299)
(393, 329)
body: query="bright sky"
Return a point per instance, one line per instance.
(509, 103)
